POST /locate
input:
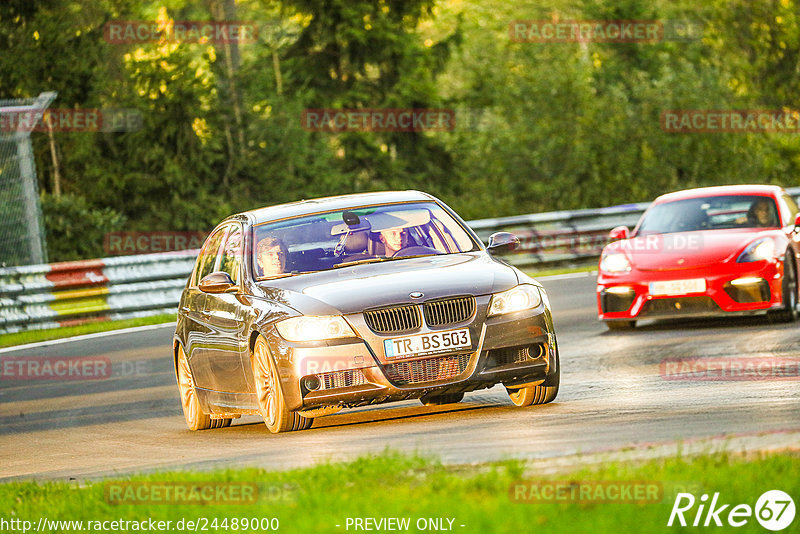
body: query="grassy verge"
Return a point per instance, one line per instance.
(561, 270)
(322, 498)
(32, 336)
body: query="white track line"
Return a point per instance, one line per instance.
(87, 336)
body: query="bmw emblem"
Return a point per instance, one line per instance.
(416, 295)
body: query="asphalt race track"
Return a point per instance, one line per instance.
(613, 395)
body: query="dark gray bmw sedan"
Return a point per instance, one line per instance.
(299, 310)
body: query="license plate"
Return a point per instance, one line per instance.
(424, 344)
(678, 287)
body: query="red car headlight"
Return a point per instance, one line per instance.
(615, 262)
(758, 250)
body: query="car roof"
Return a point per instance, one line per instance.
(719, 190)
(340, 202)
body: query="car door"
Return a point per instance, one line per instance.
(224, 313)
(193, 303)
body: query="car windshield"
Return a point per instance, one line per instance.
(710, 213)
(342, 238)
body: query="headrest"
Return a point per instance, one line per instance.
(356, 243)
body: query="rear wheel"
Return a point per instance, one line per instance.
(437, 400)
(541, 394)
(621, 325)
(271, 403)
(196, 418)
(789, 290)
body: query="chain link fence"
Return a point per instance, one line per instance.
(22, 239)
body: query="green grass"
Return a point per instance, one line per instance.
(393, 485)
(561, 270)
(32, 336)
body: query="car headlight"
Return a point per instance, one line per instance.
(761, 249)
(616, 262)
(314, 328)
(522, 297)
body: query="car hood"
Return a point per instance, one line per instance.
(684, 250)
(353, 289)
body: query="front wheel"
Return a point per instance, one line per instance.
(541, 394)
(789, 289)
(271, 403)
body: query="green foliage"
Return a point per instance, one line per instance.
(539, 126)
(75, 229)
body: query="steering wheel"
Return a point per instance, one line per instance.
(415, 250)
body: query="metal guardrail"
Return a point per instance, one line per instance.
(61, 294)
(560, 236)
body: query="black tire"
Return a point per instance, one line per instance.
(621, 325)
(438, 400)
(269, 395)
(788, 313)
(541, 394)
(221, 423)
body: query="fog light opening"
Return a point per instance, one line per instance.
(311, 382)
(619, 290)
(746, 281)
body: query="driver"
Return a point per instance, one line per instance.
(393, 240)
(271, 256)
(760, 213)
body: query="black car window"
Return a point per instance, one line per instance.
(207, 261)
(710, 213)
(231, 257)
(324, 240)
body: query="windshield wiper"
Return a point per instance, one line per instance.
(377, 260)
(359, 262)
(273, 276)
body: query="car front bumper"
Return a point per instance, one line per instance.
(731, 289)
(515, 349)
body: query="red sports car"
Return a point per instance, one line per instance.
(703, 252)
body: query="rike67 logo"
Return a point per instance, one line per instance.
(774, 510)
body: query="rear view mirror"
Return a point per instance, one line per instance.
(620, 232)
(217, 282)
(500, 242)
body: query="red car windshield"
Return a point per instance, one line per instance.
(710, 213)
(370, 234)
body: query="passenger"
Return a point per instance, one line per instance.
(271, 256)
(393, 240)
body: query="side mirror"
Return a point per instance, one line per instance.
(217, 282)
(500, 242)
(620, 232)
